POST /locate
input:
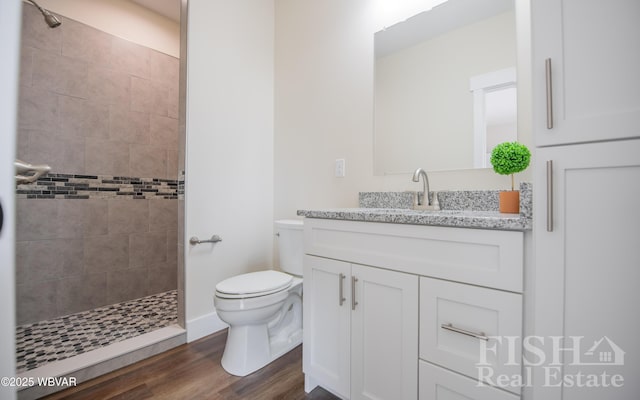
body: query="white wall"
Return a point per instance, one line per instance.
(324, 107)
(323, 103)
(229, 148)
(124, 19)
(9, 40)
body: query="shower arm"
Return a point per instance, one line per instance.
(42, 10)
(27, 173)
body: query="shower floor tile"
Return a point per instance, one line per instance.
(54, 340)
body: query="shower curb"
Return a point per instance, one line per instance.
(101, 361)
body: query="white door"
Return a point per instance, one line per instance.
(10, 38)
(327, 326)
(384, 340)
(588, 267)
(594, 52)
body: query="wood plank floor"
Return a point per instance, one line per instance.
(193, 371)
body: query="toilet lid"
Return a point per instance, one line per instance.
(254, 284)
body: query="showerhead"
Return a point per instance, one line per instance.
(49, 18)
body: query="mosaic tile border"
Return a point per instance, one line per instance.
(70, 186)
(57, 339)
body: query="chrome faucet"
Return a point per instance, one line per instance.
(424, 200)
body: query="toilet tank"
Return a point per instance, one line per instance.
(290, 245)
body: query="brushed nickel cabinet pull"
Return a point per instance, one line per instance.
(547, 67)
(550, 196)
(354, 303)
(452, 328)
(341, 291)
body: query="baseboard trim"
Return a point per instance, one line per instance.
(203, 326)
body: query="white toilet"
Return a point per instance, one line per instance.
(264, 309)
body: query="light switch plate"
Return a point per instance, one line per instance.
(340, 168)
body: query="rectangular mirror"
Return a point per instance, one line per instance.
(445, 83)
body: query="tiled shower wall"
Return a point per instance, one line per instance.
(103, 113)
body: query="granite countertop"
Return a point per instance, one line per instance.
(452, 218)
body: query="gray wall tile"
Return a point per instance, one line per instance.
(69, 219)
(104, 157)
(162, 277)
(108, 86)
(37, 109)
(173, 104)
(149, 96)
(164, 67)
(128, 126)
(172, 245)
(148, 161)
(60, 74)
(129, 57)
(38, 219)
(35, 219)
(26, 65)
(85, 43)
(148, 248)
(96, 221)
(163, 215)
(172, 164)
(126, 284)
(59, 154)
(37, 301)
(164, 131)
(106, 253)
(44, 260)
(80, 118)
(83, 292)
(128, 216)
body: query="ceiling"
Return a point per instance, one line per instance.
(168, 8)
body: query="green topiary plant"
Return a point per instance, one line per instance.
(509, 158)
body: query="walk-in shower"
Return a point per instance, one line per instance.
(96, 200)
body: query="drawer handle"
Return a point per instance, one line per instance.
(452, 328)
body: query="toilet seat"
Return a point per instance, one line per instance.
(253, 284)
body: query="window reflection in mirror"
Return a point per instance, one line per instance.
(424, 108)
(495, 113)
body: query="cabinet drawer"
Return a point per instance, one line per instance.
(452, 313)
(481, 257)
(437, 383)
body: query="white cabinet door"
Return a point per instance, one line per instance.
(588, 268)
(327, 329)
(384, 342)
(594, 51)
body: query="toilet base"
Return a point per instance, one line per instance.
(249, 348)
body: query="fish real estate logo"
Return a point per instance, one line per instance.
(551, 354)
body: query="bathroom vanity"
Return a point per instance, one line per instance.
(402, 304)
